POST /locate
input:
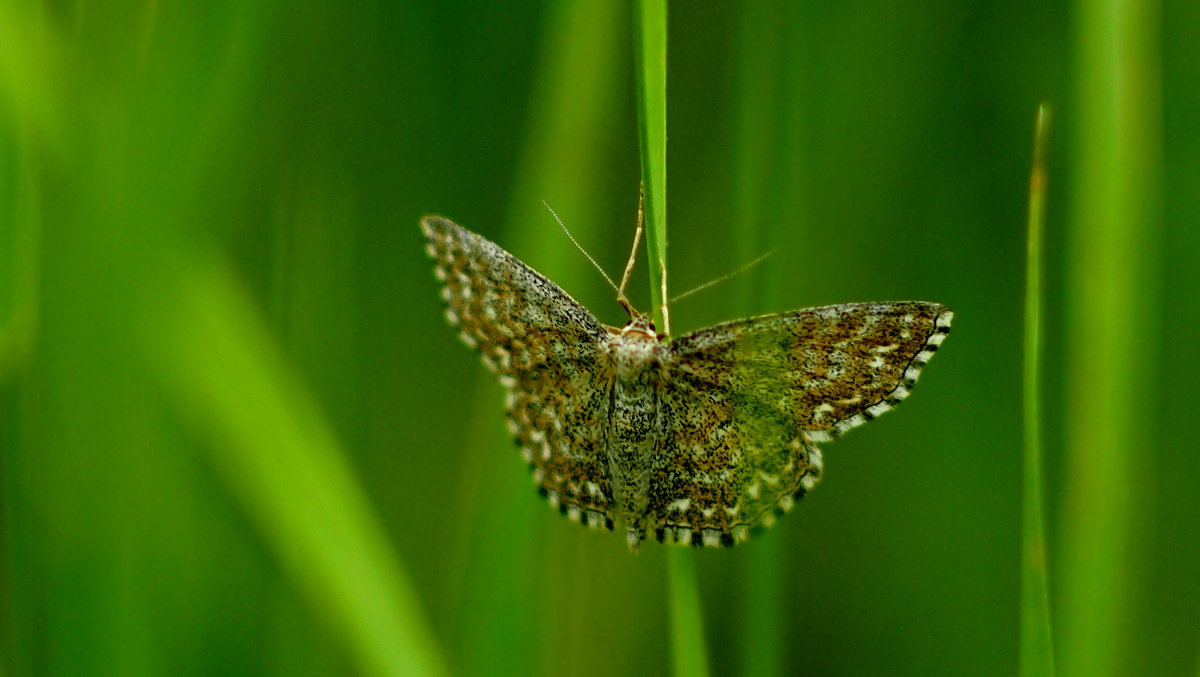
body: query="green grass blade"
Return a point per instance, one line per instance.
(689, 657)
(688, 653)
(29, 126)
(282, 460)
(1037, 649)
(651, 70)
(1111, 325)
(31, 62)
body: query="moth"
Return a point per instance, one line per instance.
(696, 440)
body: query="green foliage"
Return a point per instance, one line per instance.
(236, 436)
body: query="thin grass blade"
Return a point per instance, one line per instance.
(688, 652)
(1037, 650)
(651, 70)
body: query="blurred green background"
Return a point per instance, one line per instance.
(237, 437)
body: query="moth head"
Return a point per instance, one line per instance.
(636, 349)
(640, 326)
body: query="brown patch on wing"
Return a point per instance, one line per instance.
(722, 470)
(827, 369)
(560, 432)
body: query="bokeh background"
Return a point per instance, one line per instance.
(236, 436)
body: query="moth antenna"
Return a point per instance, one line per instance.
(581, 249)
(637, 238)
(719, 280)
(663, 295)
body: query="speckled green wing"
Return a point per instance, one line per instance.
(745, 401)
(544, 346)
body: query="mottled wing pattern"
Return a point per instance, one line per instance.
(726, 466)
(544, 346)
(745, 401)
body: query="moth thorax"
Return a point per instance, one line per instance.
(633, 353)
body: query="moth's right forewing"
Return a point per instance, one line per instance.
(829, 368)
(512, 313)
(547, 350)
